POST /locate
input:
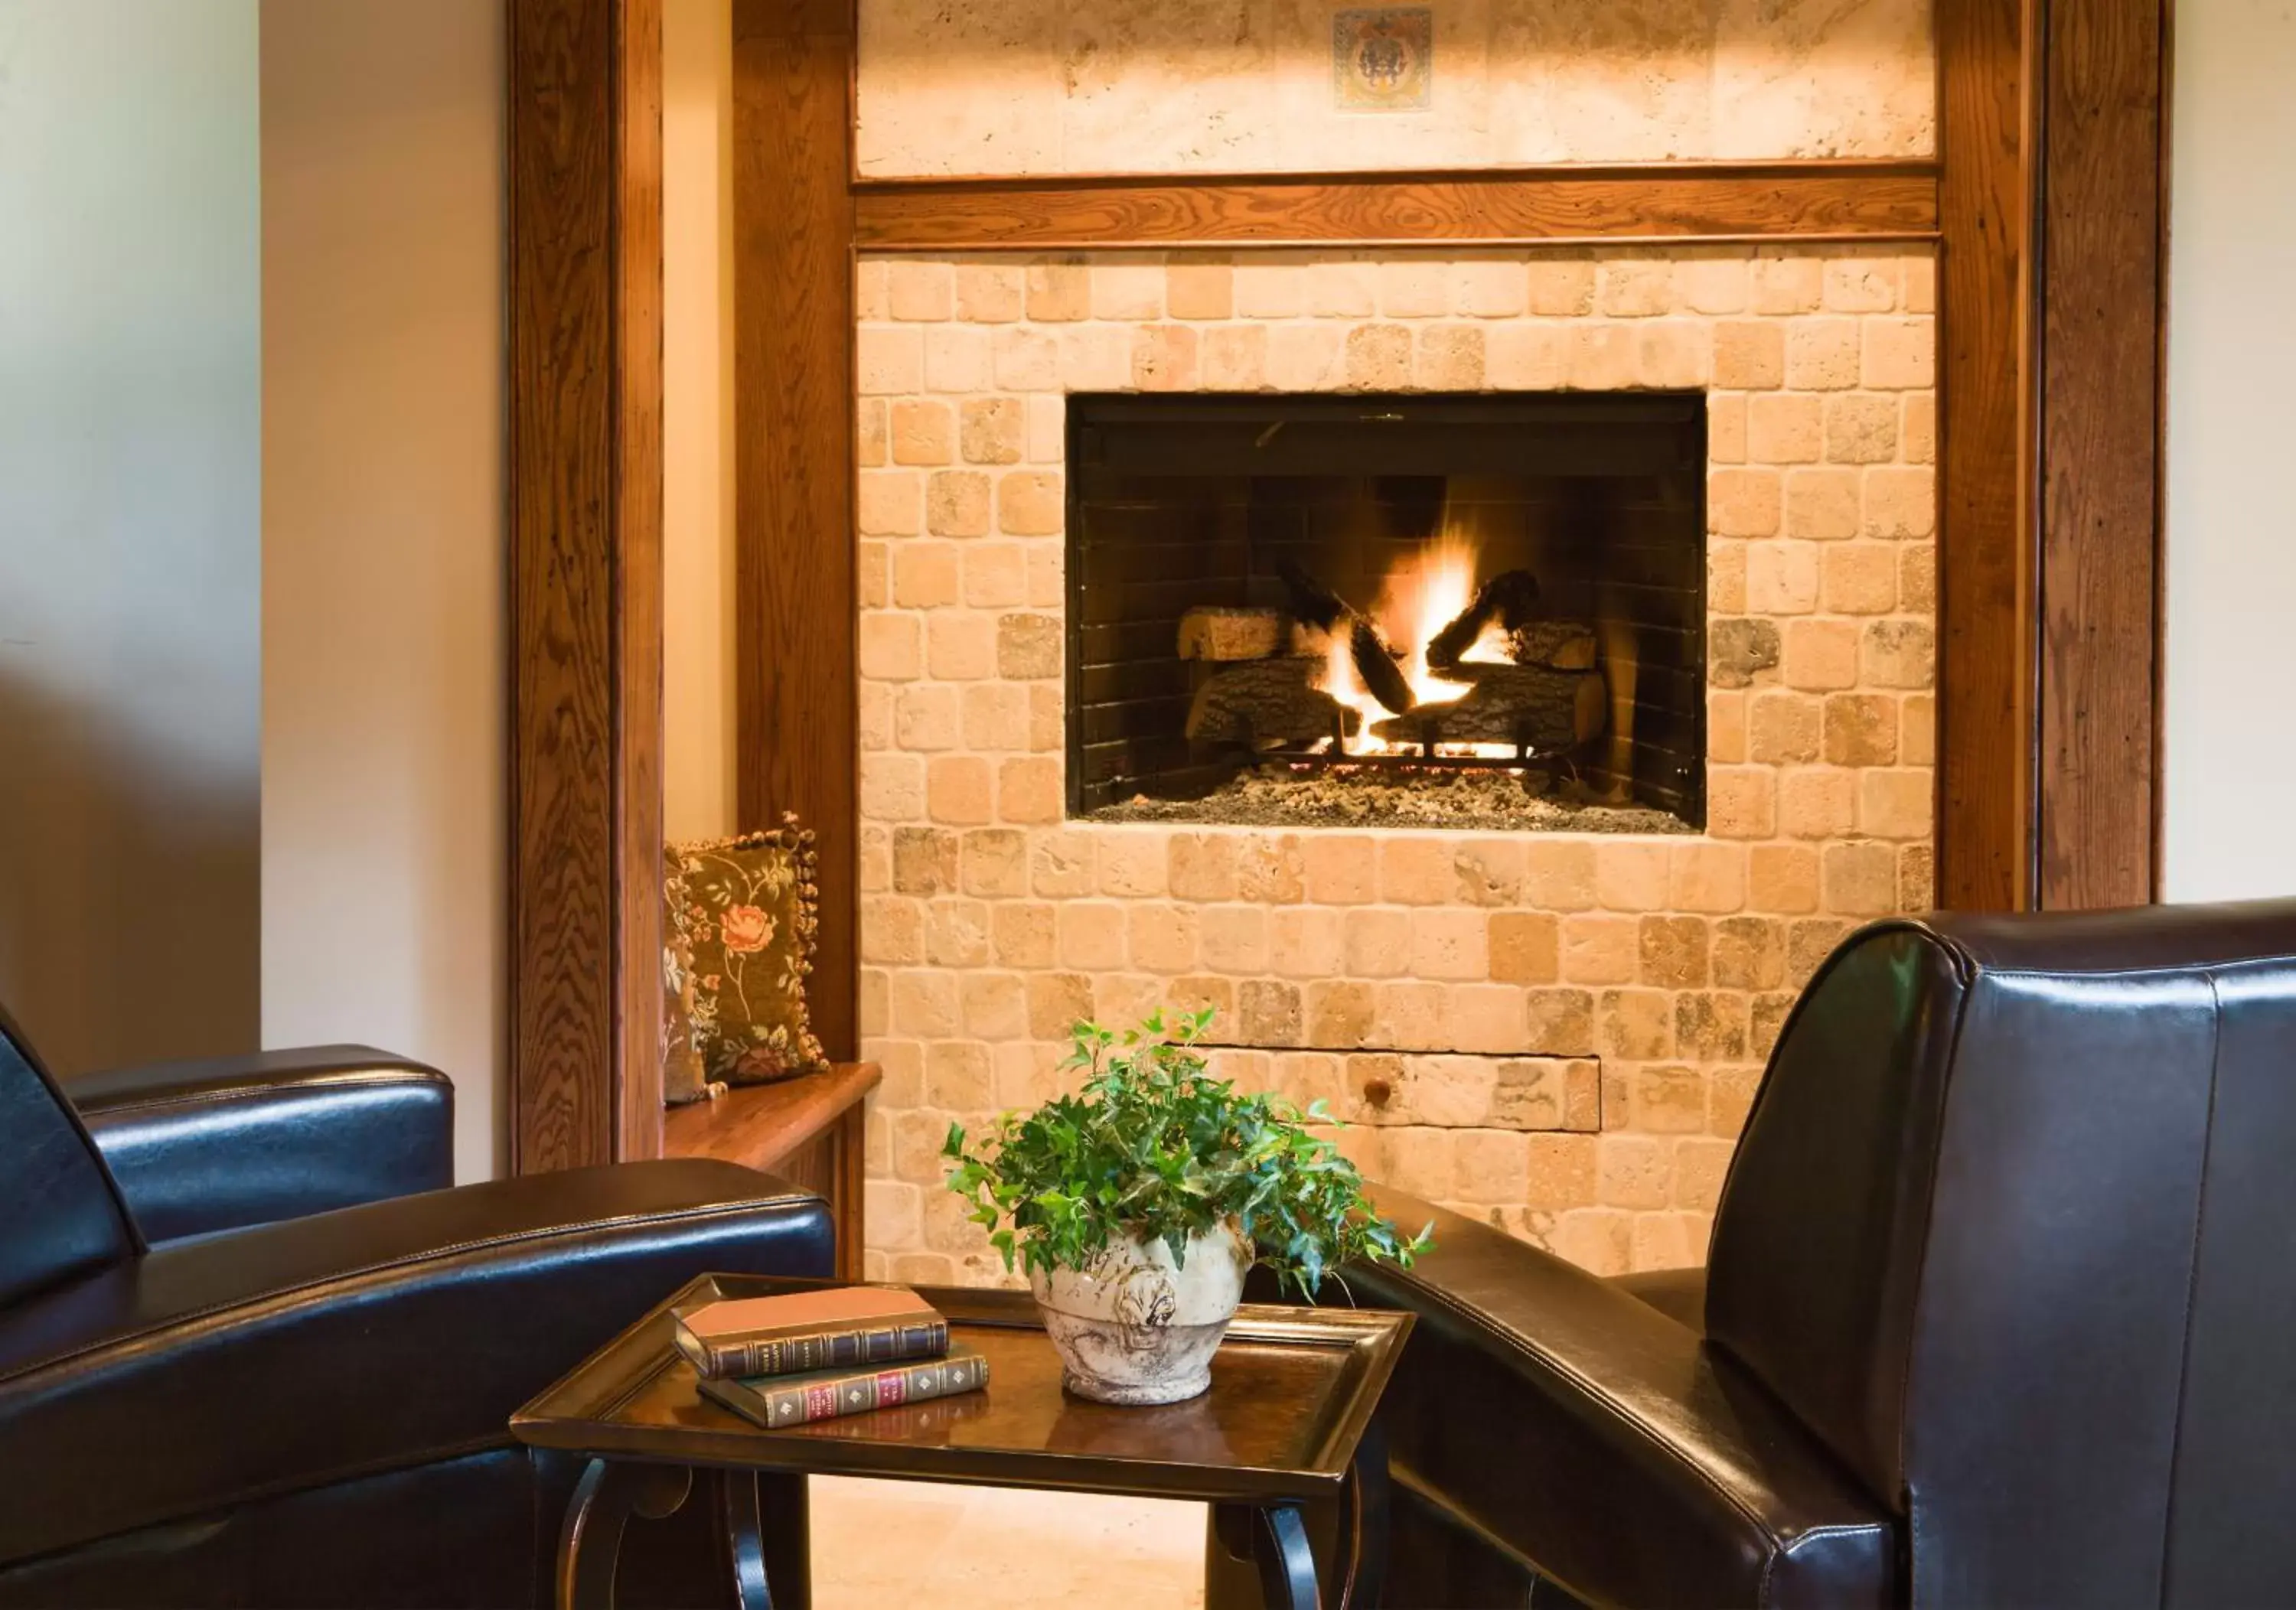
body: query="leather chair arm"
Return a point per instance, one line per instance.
(229, 1141)
(1576, 1428)
(295, 1354)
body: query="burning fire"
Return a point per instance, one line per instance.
(1419, 598)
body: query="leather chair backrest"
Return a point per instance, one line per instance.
(61, 1214)
(2012, 1228)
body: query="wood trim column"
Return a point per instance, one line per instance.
(797, 715)
(2100, 176)
(2052, 210)
(585, 387)
(1984, 543)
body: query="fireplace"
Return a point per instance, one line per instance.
(1468, 610)
(1558, 1031)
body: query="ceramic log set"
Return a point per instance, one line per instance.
(1137, 1203)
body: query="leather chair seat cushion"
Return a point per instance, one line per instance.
(480, 1531)
(1589, 1434)
(230, 1368)
(374, 1541)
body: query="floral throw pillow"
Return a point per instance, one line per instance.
(682, 1078)
(741, 923)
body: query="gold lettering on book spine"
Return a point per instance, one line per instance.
(795, 1355)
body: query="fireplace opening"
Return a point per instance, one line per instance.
(1465, 611)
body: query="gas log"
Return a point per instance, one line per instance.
(1560, 645)
(1218, 633)
(1316, 605)
(1508, 600)
(1268, 704)
(1549, 710)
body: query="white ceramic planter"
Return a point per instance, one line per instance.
(1132, 1327)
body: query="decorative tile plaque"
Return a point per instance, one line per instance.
(1384, 58)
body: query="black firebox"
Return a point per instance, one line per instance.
(1242, 570)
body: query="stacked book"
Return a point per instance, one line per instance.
(814, 1355)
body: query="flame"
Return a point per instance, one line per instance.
(1342, 683)
(1418, 598)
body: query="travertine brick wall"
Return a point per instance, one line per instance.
(1557, 1033)
(1049, 87)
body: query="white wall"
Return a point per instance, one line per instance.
(698, 777)
(129, 442)
(384, 836)
(2231, 693)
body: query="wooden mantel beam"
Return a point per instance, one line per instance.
(1648, 204)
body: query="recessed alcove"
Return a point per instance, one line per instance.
(1532, 566)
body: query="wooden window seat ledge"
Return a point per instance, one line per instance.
(807, 1130)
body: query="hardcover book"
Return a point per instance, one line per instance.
(828, 1394)
(814, 1330)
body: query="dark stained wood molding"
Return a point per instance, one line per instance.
(2161, 406)
(808, 1131)
(796, 700)
(2053, 209)
(2099, 128)
(1650, 204)
(1984, 548)
(584, 159)
(639, 726)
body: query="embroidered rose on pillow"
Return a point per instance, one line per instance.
(745, 930)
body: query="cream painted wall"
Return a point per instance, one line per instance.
(698, 777)
(130, 439)
(384, 836)
(2231, 717)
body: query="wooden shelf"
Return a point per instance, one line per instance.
(807, 1130)
(1808, 201)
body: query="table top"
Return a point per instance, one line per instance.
(1292, 1389)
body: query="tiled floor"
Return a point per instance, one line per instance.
(907, 1545)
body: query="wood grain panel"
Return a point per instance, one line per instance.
(797, 682)
(809, 1132)
(563, 509)
(758, 1125)
(1984, 580)
(2101, 284)
(638, 641)
(584, 534)
(1676, 201)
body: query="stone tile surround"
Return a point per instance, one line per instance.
(1048, 86)
(1566, 1028)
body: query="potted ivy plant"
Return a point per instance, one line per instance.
(1136, 1204)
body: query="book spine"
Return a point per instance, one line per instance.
(859, 1394)
(824, 1350)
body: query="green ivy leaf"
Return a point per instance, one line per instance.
(1152, 1146)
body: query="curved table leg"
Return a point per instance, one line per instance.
(1287, 1566)
(590, 1546)
(1365, 1522)
(765, 1520)
(1274, 1537)
(737, 1491)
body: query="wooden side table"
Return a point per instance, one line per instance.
(1288, 1422)
(808, 1130)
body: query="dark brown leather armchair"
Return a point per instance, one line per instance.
(252, 1352)
(2000, 1309)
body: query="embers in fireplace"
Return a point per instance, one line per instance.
(1474, 612)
